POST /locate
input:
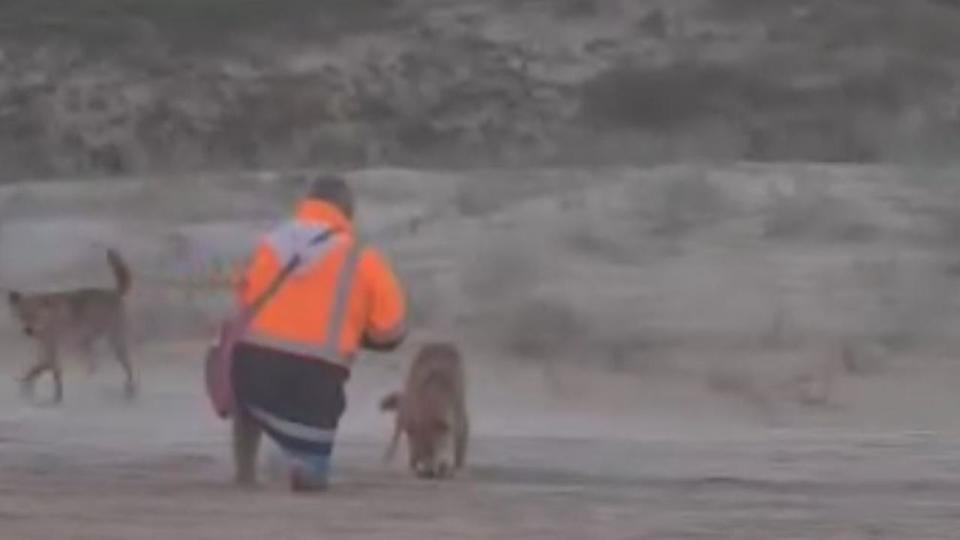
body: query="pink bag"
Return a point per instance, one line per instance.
(218, 367)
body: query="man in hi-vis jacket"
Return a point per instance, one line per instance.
(291, 365)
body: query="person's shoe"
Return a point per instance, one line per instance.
(304, 482)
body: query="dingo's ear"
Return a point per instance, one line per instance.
(391, 401)
(14, 297)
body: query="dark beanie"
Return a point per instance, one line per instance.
(334, 190)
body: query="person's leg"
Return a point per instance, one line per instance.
(324, 394)
(249, 369)
(297, 402)
(246, 442)
(307, 448)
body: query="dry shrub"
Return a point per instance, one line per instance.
(939, 184)
(686, 202)
(909, 303)
(779, 332)
(663, 98)
(574, 9)
(482, 193)
(824, 132)
(161, 313)
(813, 213)
(948, 223)
(738, 10)
(544, 329)
(499, 270)
(474, 200)
(846, 119)
(107, 24)
(767, 390)
(628, 349)
(743, 386)
(862, 358)
(476, 196)
(424, 296)
(602, 243)
(679, 203)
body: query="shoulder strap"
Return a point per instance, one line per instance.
(282, 276)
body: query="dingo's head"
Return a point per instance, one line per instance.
(428, 441)
(34, 313)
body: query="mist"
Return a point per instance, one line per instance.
(699, 256)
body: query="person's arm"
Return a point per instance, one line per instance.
(386, 325)
(255, 278)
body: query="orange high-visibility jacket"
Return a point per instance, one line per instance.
(344, 294)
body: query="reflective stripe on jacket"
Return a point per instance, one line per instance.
(343, 294)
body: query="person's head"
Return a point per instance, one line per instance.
(332, 189)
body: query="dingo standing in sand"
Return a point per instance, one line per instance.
(432, 412)
(82, 315)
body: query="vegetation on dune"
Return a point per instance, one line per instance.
(134, 86)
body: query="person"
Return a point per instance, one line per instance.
(291, 365)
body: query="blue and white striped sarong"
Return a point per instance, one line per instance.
(296, 401)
